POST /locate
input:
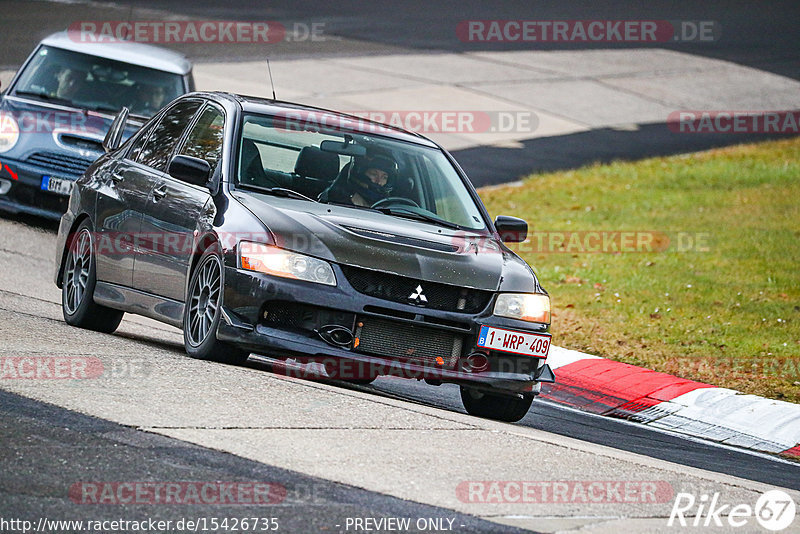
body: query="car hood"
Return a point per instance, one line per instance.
(59, 128)
(372, 240)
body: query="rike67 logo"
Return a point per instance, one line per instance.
(773, 511)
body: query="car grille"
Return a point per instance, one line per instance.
(398, 340)
(61, 162)
(443, 297)
(283, 314)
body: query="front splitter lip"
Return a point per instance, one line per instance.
(282, 344)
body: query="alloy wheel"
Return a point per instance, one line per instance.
(77, 272)
(204, 300)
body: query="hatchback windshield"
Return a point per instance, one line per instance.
(90, 82)
(362, 171)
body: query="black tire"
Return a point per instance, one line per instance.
(497, 407)
(78, 282)
(202, 313)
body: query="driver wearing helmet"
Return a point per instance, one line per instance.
(369, 179)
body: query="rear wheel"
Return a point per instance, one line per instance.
(498, 407)
(77, 287)
(203, 311)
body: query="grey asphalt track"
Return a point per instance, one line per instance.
(757, 35)
(45, 450)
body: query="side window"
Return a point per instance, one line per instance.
(446, 202)
(159, 146)
(138, 143)
(205, 139)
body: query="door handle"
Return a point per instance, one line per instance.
(159, 193)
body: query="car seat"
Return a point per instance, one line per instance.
(314, 171)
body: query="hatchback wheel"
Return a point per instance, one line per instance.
(498, 407)
(77, 287)
(202, 314)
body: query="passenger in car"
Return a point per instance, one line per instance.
(149, 99)
(71, 83)
(363, 182)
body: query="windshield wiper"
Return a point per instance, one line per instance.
(45, 96)
(104, 107)
(349, 205)
(278, 192)
(408, 214)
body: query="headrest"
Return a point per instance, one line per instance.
(249, 152)
(314, 163)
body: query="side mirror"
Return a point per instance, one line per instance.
(113, 137)
(191, 170)
(511, 229)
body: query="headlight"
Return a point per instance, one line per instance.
(532, 307)
(276, 261)
(9, 132)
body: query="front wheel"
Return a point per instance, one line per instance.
(203, 311)
(498, 407)
(77, 287)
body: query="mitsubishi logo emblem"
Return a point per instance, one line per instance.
(417, 296)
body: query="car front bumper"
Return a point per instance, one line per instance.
(249, 295)
(23, 191)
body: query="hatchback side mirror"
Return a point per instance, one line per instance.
(191, 170)
(113, 137)
(511, 229)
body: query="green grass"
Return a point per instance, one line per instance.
(728, 312)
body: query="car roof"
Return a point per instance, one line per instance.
(141, 54)
(349, 122)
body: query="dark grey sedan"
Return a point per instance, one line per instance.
(305, 234)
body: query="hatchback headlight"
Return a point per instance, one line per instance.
(276, 261)
(532, 307)
(9, 132)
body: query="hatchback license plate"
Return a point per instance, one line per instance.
(57, 185)
(535, 345)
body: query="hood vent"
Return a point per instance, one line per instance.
(81, 143)
(403, 240)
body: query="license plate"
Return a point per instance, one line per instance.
(535, 345)
(57, 185)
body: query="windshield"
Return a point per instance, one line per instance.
(90, 82)
(352, 169)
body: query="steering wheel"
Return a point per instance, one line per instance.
(394, 200)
